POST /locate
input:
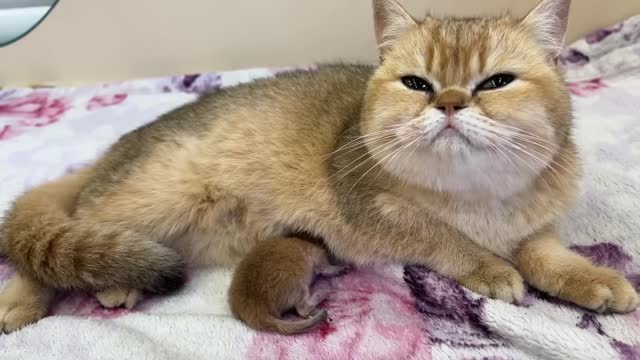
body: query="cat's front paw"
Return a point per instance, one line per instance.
(599, 289)
(112, 298)
(497, 279)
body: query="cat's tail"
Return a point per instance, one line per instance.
(42, 240)
(263, 320)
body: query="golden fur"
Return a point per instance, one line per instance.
(347, 153)
(276, 277)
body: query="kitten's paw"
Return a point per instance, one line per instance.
(599, 289)
(334, 270)
(18, 312)
(112, 298)
(496, 279)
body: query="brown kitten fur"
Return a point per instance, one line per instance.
(467, 182)
(276, 277)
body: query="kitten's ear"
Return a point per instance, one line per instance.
(549, 21)
(390, 20)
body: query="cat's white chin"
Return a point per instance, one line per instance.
(453, 165)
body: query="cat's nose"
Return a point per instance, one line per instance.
(450, 108)
(451, 101)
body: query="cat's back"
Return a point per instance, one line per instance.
(273, 134)
(295, 115)
(329, 95)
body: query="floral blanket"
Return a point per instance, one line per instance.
(387, 312)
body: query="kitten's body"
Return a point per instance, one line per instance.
(312, 152)
(276, 276)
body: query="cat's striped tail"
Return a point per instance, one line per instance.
(43, 241)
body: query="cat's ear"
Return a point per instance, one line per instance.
(549, 21)
(390, 20)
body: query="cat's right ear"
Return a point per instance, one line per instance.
(390, 21)
(549, 22)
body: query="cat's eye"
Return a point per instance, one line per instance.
(417, 83)
(496, 82)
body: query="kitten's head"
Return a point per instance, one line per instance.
(468, 105)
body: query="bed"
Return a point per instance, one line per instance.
(383, 312)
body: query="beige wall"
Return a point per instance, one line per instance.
(93, 40)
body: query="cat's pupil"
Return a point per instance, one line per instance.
(496, 82)
(417, 83)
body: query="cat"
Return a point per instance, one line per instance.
(275, 277)
(455, 152)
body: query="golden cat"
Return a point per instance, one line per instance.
(455, 153)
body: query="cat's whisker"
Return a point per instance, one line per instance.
(395, 135)
(379, 149)
(510, 130)
(506, 136)
(362, 144)
(398, 153)
(370, 135)
(551, 161)
(513, 153)
(523, 134)
(362, 140)
(498, 142)
(536, 156)
(393, 153)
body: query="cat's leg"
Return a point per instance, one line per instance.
(112, 298)
(431, 243)
(459, 259)
(549, 266)
(493, 277)
(22, 301)
(448, 253)
(323, 266)
(330, 270)
(311, 300)
(465, 262)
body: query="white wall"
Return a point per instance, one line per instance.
(93, 40)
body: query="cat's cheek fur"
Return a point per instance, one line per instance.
(390, 104)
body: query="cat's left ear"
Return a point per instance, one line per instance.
(391, 21)
(549, 22)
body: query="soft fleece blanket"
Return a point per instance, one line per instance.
(386, 312)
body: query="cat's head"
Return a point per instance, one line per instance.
(468, 105)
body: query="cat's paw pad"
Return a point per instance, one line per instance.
(599, 289)
(18, 313)
(497, 280)
(112, 298)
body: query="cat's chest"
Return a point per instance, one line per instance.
(496, 226)
(493, 227)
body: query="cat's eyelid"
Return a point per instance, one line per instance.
(473, 84)
(435, 85)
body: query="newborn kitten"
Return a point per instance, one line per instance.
(454, 153)
(276, 277)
